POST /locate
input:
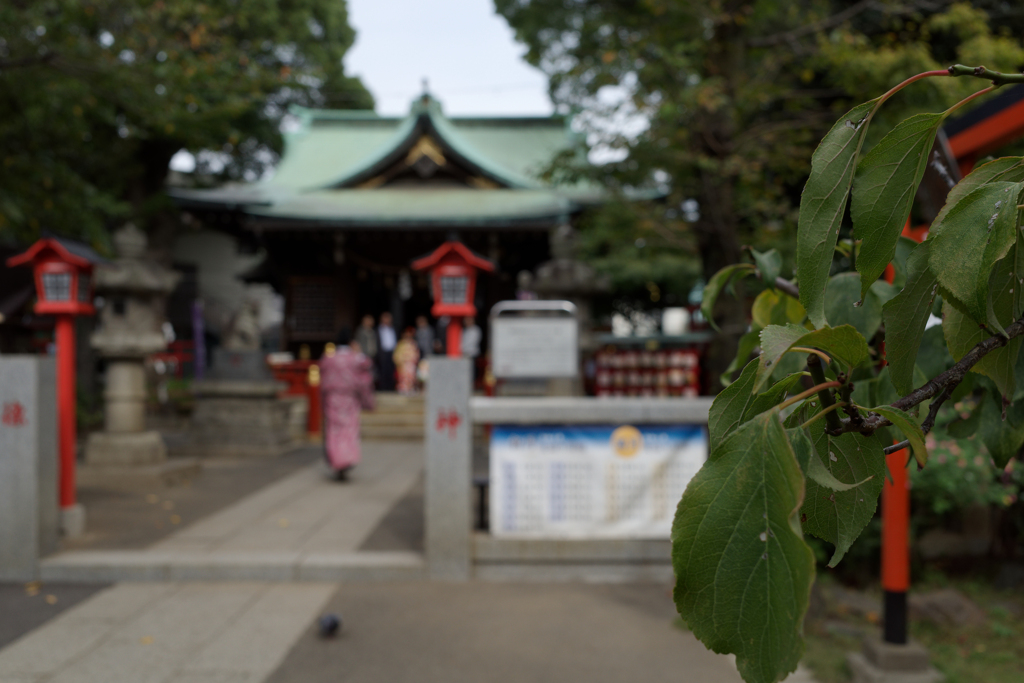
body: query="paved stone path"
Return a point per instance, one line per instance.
(304, 527)
(168, 633)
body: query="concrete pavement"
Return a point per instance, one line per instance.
(234, 598)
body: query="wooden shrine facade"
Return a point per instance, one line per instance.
(357, 197)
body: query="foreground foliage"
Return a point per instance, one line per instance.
(732, 96)
(798, 439)
(96, 96)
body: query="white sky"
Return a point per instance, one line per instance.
(467, 53)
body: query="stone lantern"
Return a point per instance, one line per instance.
(565, 277)
(131, 327)
(453, 268)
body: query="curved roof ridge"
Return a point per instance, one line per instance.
(451, 137)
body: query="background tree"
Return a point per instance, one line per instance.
(734, 95)
(96, 96)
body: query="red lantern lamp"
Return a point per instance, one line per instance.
(453, 268)
(63, 275)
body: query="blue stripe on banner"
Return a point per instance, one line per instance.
(552, 436)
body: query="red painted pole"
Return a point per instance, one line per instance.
(454, 338)
(66, 407)
(896, 530)
(896, 547)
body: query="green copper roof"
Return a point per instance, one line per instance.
(332, 148)
(335, 167)
(405, 206)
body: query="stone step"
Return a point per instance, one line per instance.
(385, 432)
(389, 400)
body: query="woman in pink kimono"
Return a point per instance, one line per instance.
(346, 382)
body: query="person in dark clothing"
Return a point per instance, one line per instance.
(386, 341)
(424, 336)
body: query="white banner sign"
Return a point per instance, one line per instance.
(591, 481)
(534, 347)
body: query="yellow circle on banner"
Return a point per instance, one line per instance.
(627, 441)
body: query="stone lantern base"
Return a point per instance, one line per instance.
(238, 418)
(129, 448)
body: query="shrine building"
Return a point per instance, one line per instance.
(357, 197)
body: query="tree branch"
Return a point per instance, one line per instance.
(788, 287)
(944, 382)
(982, 72)
(929, 421)
(833, 423)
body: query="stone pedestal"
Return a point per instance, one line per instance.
(130, 330)
(240, 418)
(124, 440)
(882, 662)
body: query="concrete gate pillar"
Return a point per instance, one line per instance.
(29, 518)
(449, 442)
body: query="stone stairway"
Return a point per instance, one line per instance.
(396, 417)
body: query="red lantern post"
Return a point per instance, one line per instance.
(63, 275)
(453, 268)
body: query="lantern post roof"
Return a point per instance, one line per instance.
(67, 250)
(454, 248)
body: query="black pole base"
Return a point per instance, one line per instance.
(894, 617)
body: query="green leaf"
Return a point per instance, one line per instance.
(884, 189)
(883, 391)
(1003, 291)
(737, 403)
(769, 263)
(1005, 169)
(966, 428)
(803, 449)
(883, 291)
(905, 317)
(904, 247)
(911, 430)
(772, 397)
(821, 476)
(962, 334)
(836, 511)
(1002, 439)
(775, 341)
(974, 234)
(718, 282)
(772, 307)
(727, 409)
(743, 571)
(844, 344)
(823, 204)
(933, 358)
(841, 299)
(745, 347)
